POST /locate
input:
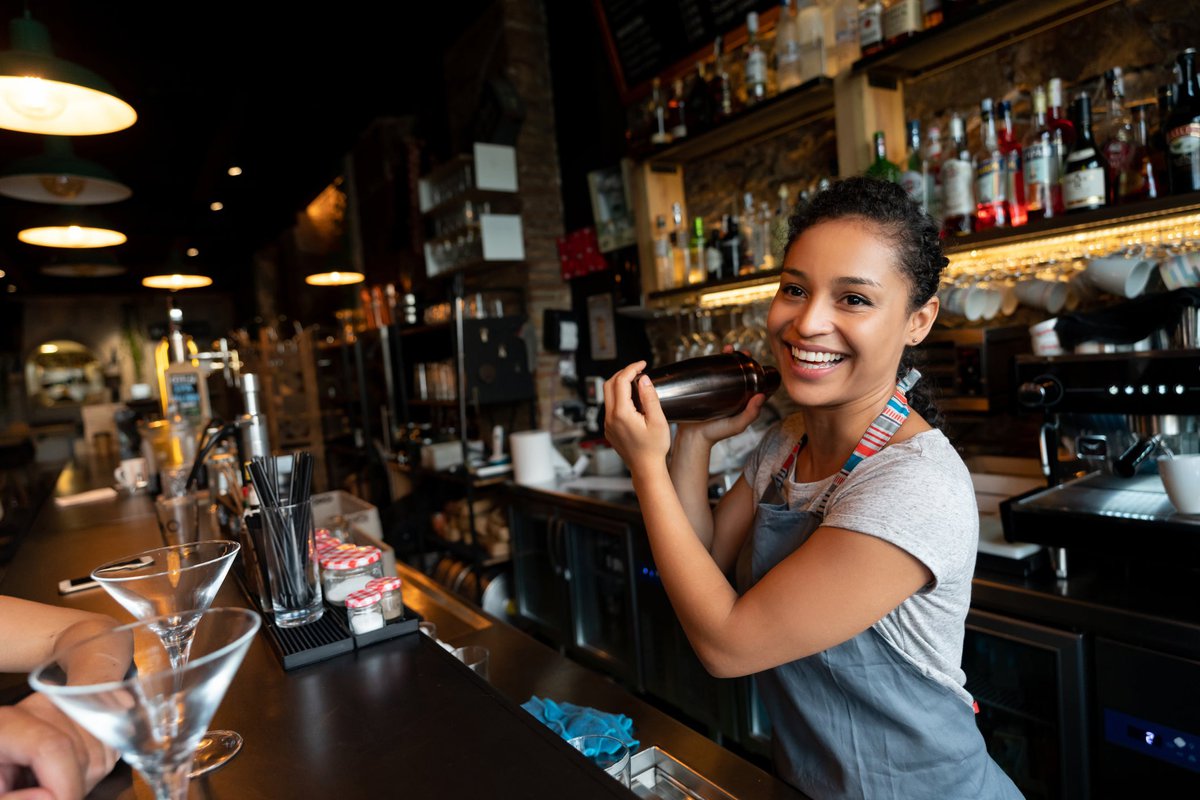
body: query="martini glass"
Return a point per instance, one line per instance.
(172, 590)
(156, 716)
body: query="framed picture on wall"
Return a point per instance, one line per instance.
(612, 208)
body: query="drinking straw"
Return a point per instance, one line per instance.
(289, 545)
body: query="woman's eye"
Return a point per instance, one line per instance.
(793, 290)
(857, 300)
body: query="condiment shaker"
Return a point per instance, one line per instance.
(709, 387)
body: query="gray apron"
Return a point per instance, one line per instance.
(858, 719)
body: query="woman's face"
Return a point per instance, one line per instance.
(840, 320)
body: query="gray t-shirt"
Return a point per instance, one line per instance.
(916, 494)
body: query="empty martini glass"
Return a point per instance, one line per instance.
(175, 587)
(156, 716)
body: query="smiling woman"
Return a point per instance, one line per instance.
(849, 587)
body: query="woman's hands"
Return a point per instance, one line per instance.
(642, 438)
(60, 754)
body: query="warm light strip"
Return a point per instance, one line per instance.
(1164, 232)
(740, 295)
(334, 278)
(176, 282)
(73, 236)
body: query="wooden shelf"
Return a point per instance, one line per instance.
(1144, 211)
(772, 116)
(762, 276)
(505, 202)
(981, 30)
(471, 266)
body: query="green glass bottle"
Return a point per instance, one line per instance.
(881, 168)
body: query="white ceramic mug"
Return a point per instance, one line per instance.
(1180, 270)
(131, 474)
(1046, 295)
(1044, 338)
(1120, 275)
(968, 302)
(1181, 478)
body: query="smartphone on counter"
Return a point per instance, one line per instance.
(72, 585)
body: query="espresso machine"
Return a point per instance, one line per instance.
(1105, 418)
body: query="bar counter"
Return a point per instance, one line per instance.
(399, 717)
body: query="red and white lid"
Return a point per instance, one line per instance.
(323, 533)
(389, 584)
(355, 558)
(362, 598)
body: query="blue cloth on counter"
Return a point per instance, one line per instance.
(569, 720)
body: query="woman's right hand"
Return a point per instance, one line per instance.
(714, 430)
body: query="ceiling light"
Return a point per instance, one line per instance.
(216, 205)
(335, 278)
(235, 171)
(176, 282)
(73, 236)
(48, 348)
(192, 252)
(58, 176)
(40, 93)
(82, 264)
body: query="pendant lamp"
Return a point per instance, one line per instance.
(175, 277)
(82, 264)
(40, 93)
(72, 227)
(334, 278)
(59, 176)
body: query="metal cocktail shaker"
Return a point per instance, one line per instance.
(709, 387)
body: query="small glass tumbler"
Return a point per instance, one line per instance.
(475, 657)
(178, 519)
(607, 752)
(287, 534)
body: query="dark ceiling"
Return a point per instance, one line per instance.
(280, 92)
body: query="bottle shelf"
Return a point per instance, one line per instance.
(1073, 223)
(501, 202)
(679, 292)
(787, 110)
(984, 28)
(454, 476)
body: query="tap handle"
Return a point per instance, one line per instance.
(1127, 464)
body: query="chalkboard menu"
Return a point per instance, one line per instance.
(644, 37)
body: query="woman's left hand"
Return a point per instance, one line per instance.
(642, 438)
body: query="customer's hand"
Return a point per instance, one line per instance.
(96, 758)
(38, 761)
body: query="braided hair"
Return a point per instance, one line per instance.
(914, 237)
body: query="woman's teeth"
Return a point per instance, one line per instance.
(811, 360)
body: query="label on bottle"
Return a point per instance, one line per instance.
(989, 182)
(1085, 188)
(756, 68)
(1184, 139)
(957, 197)
(870, 25)
(1014, 177)
(901, 19)
(914, 184)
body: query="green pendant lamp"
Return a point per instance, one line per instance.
(40, 93)
(59, 176)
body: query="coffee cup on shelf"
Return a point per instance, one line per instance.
(1045, 295)
(131, 475)
(1124, 274)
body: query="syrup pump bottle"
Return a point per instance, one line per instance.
(709, 387)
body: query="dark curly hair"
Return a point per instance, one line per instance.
(914, 237)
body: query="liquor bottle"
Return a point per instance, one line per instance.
(779, 226)
(1141, 176)
(810, 29)
(958, 193)
(722, 86)
(677, 111)
(881, 168)
(846, 49)
(1183, 128)
(931, 12)
(1014, 172)
(901, 21)
(1056, 116)
(787, 49)
(696, 258)
(663, 269)
(714, 261)
(680, 257)
(756, 63)
(747, 254)
(912, 177)
(1043, 163)
(764, 229)
(1085, 179)
(699, 101)
(870, 26)
(1118, 133)
(991, 198)
(932, 158)
(731, 246)
(659, 134)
